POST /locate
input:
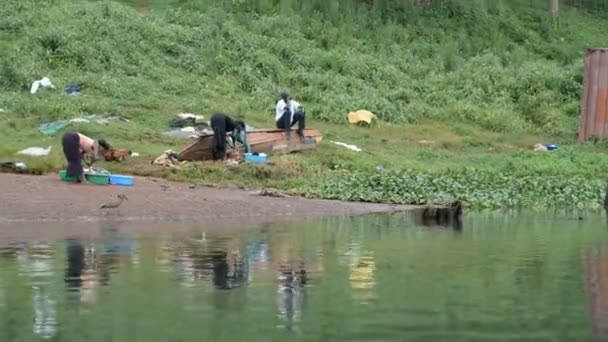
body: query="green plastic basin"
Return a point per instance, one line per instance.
(98, 179)
(63, 175)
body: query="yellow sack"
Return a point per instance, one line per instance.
(361, 115)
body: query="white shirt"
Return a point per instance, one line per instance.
(280, 110)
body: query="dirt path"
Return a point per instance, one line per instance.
(37, 199)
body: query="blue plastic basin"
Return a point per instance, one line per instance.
(121, 180)
(256, 158)
(551, 147)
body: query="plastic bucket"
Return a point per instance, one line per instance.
(121, 180)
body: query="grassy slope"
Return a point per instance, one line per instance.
(485, 86)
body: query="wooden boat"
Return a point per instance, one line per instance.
(267, 141)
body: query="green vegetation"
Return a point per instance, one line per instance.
(481, 189)
(483, 80)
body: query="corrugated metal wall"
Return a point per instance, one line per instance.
(594, 105)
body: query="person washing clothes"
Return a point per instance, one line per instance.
(222, 124)
(288, 113)
(77, 147)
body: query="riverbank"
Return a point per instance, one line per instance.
(411, 164)
(47, 199)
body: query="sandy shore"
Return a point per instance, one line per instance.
(46, 199)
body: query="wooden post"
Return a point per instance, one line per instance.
(554, 8)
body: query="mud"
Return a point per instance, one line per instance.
(28, 200)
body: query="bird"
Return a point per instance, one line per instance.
(115, 204)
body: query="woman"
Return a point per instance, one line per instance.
(75, 147)
(288, 113)
(222, 124)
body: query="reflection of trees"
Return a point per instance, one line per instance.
(596, 284)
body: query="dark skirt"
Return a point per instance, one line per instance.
(71, 150)
(218, 124)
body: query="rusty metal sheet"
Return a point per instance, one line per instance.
(594, 104)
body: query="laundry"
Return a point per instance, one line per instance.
(380, 168)
(545, 147)
(189, 132)
(186, 119)
(361, 116)
(36, 151)
(51, 128)
(190, 115)
(350, 147)
(14, 166)
(43, 83)
(182, 122)
(96, 118)
(168, 159)
(73, 90)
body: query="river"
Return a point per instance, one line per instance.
(379, 277)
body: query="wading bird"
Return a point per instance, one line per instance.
(116, 203)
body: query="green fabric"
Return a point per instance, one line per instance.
(242, 138)
(52, 128)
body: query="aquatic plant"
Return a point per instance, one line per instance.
(480, 189)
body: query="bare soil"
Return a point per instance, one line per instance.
(46, 199)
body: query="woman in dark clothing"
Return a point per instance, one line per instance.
(75, 146)
(222, 124)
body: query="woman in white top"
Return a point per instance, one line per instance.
(288, 113)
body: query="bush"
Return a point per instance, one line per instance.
(498, 64)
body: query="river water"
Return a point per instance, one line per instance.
(380, 278)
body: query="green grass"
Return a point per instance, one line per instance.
(483, 80)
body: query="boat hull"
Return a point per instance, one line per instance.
(269, 141)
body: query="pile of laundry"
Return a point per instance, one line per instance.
(168, 159)
(188, 125)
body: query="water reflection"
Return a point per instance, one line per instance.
(596, 286)
(193, 261)
(447, 220)
(75, 265)
(36, 263)
(361, 268)
(373, 276)
(361, 277)
(291, 294)
(228, 272)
